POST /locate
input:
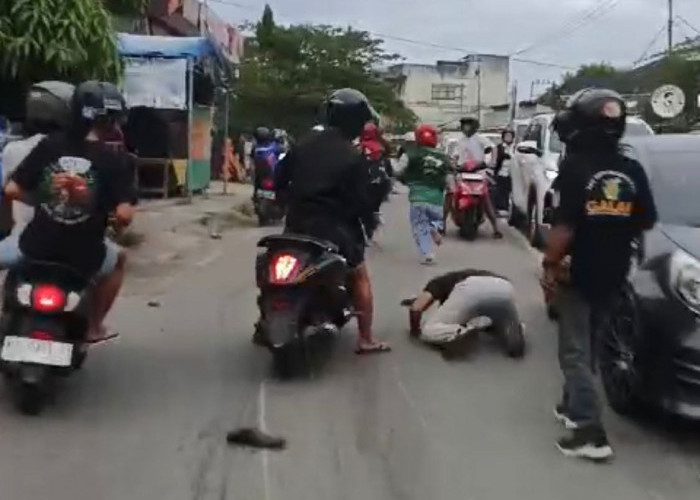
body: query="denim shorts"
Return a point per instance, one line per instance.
(11, 255)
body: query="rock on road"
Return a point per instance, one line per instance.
(147, 417)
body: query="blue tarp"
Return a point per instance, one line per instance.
(165, 46)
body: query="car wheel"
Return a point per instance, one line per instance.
(534, 231)
(618, 357)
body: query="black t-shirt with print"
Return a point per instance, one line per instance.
(76, 188)
(607, 201)
(441, 287)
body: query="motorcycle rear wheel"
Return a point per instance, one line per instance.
(290, 361)
(29, 398)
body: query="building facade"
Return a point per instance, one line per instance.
(442, 93)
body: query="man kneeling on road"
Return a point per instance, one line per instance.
(465, 296)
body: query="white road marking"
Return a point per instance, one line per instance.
(264, 455)
(209, 258)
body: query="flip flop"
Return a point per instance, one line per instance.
(103, 337)
(376, 348)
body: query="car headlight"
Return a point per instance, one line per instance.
(684, 273)
(551, 174)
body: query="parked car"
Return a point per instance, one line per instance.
(519, 126)
(534, 168)
(650, 351)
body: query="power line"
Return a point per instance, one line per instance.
(591, 14)
(687, 23)
(651, 45)
(419, 42)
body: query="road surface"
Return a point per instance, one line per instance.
(146, 419)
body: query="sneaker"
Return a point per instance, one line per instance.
(586, 442)
(563, 418)
(428, 260)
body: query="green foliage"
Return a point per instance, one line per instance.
(289, 70)
(126, 7)
(56, 39)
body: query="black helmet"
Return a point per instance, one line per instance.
(48, 106)
(469, 120)
(95, 101)
(348, 110)
(593, 113)
(262, 134)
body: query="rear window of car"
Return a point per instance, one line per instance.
(675, 183)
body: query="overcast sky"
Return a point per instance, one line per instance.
(562, 32)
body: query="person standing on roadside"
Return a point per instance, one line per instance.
(501, 170)
(602, 204)
(425, 176)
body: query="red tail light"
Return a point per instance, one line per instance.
(268, 184)
(283, 268)
(48, 298)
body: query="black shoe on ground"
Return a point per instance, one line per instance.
(586, 442)
(562, 416)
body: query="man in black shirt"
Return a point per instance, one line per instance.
(464, 296)
(602, 203)
(325, 183)
(76, 181)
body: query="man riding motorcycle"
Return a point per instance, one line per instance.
(47, 111)
(326, 185)
(76, 181)
(470, 148)
(265, 155)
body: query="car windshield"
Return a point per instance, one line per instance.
(675, 183)
(555, 145)
(636, 129)
(520, 132)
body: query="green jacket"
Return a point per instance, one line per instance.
(425, 175)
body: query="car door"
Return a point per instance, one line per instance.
(524, 165)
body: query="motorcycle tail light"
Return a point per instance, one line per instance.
(268, 184)
(40, 335)
(48, 298)
(284, 267)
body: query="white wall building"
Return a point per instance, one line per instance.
(442, 93)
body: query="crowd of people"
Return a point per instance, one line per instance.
(63, 181)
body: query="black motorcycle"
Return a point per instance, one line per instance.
(303, 296)
(267, 208)
(43, 328)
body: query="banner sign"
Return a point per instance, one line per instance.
(155, 83)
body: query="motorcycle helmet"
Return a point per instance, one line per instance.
(48, 107)
(370, 132)
(348, 110)
(598, 114)
(262, 135)
(98, 104)
(427, 135)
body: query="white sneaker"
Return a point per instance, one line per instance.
(428, 260)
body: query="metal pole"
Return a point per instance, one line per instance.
(226, 138)
(670, 27)
(478, 92)
(190, 106)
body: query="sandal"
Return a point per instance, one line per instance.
(102, 336)
(373, 348)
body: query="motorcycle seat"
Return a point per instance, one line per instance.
(276, 240)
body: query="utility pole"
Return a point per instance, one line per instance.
(670, 27)
(478, 90)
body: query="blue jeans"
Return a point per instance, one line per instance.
(425, 218)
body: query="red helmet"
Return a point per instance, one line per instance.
(427, 135)
(370, 132)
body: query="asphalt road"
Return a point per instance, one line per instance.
(146, 419)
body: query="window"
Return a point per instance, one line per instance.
(555, 144)
(534, 133)
(444, 92)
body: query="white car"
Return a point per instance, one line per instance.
(535, 166)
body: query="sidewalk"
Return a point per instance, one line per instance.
(167, 231)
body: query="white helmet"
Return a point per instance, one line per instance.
(318, 128)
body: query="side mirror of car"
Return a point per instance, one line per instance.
(488, 150)
(529, 148)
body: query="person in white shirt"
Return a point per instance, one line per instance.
(470, 148)
(47, 110)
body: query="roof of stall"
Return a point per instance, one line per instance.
(166, 46)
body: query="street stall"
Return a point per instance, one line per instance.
(169, 86)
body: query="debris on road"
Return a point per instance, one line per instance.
(255, 438)
(153, 303)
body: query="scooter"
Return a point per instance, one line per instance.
(265, 202)
(303, 296)
(467, 207)
(43, 329)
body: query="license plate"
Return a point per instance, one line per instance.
(270, 195)
(41, 352)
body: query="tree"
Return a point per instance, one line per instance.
(53, 39)
(289, 70)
